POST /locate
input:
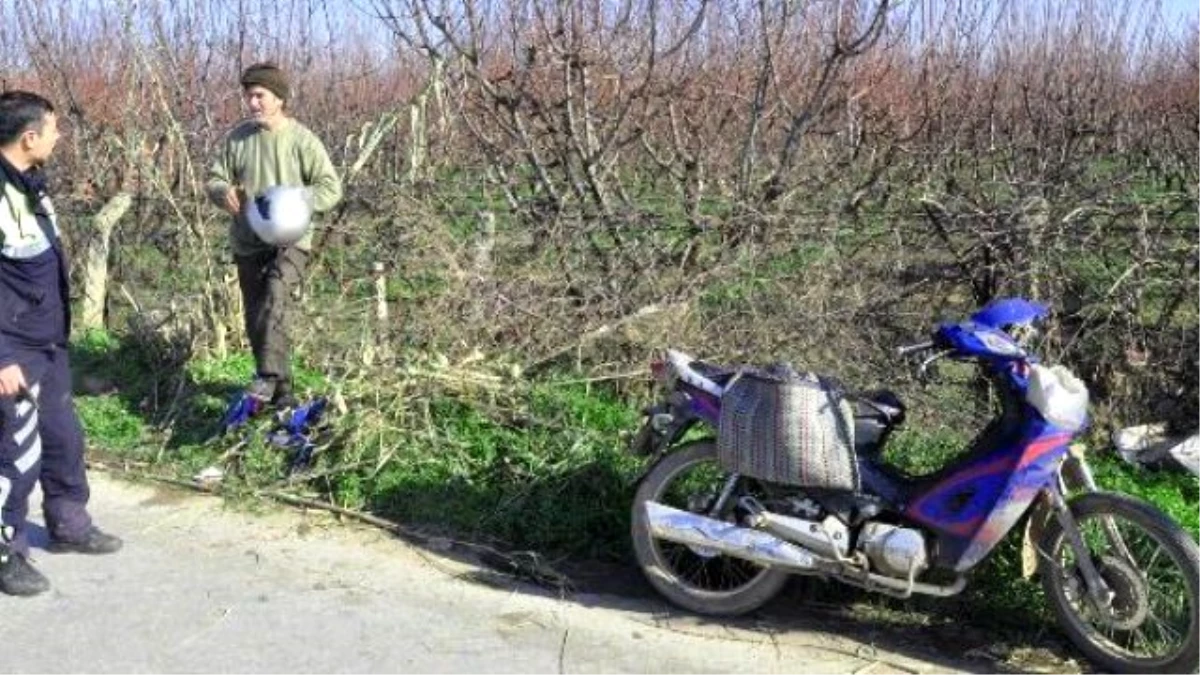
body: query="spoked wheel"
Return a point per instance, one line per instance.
(694, 577)
(1148, 624)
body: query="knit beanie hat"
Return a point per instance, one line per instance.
(268, 76)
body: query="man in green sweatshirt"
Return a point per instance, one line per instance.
(267, 149)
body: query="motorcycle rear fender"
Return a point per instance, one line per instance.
(665, 423)
(648, 438)
(660, 430)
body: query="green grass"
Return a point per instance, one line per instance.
(145, 412)
(756, 279)
(547, 471)
(918, 453)
(110, 424)
(556, 480)
(1174, 492)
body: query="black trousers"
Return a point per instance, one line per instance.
(41, 440)
(267, 281)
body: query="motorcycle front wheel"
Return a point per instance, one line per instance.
(692, 577)
(1150, 566)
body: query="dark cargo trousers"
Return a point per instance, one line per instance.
(41, 439)
(267, 281)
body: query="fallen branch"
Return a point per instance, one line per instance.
(519, 564)
(632, 375)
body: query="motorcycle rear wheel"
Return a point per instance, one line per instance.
(701, 581)
(1149, 563)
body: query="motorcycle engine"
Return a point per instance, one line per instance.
(894, 551)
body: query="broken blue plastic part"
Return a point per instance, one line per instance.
(294, 425)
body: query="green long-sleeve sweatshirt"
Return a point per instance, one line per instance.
(255, 158)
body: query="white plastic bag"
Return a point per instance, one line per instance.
(1187, 454)
(1132, 441)
(1151, 445)
(1060, 397)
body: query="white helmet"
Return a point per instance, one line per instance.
(281, 215)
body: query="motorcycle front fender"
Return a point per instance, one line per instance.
(1040, 515)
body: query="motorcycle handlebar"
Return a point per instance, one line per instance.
(923, 369)
(919, 347)
(927, 359)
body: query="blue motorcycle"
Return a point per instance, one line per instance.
(720, 522)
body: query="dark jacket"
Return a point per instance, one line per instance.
(34, 284)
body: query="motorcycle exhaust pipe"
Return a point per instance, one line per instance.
(718, 536)
(713, 536)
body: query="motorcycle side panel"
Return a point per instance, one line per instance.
(974, 507)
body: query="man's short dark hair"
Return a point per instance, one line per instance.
(21, 111)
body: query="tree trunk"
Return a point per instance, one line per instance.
(95, 262)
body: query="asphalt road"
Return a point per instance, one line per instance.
(202, 587)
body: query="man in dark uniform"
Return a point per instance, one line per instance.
(41, 439)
